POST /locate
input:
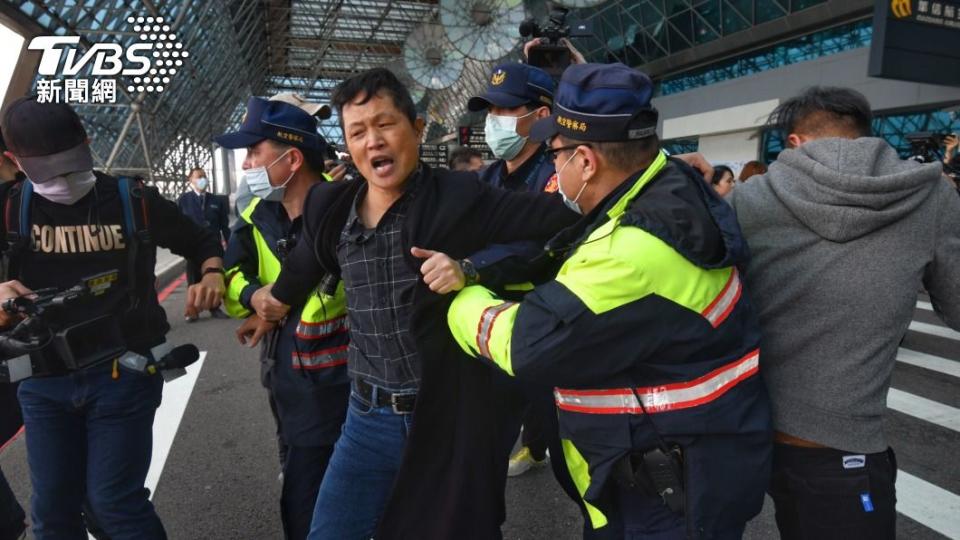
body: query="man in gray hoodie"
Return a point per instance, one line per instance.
(843, 234)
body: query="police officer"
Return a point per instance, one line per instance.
(517, 95)
(646, 330)
(305, 358)
(89, 426)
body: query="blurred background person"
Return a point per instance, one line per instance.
(210, 211)
(723, 180)
(752, 168)
(464, 158)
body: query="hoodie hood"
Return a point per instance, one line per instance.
(875, 188)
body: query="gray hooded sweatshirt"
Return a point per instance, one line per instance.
(843, 234)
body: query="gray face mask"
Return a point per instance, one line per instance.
(66, 189)
(571, 203)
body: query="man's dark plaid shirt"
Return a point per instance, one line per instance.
(379, 285)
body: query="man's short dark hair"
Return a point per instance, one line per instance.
(821, 110)
(367, 85)
(195, 169)
(625, 155)
(463, 155)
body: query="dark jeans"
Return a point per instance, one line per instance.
(822, 494)
(303, 471)
(90, 436)
(360, 477)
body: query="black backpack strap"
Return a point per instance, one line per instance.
(136, 221)
(17, 221)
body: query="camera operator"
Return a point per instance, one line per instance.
(89, 419)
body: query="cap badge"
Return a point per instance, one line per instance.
(498, 77)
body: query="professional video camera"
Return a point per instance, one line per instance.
(926, 148)
(77, 346)
(552, 56)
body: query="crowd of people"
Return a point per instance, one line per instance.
(678, 339)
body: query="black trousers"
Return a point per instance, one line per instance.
(823, 494)
(303, 471)
(193, 271)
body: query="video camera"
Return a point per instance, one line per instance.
(926, 148)
(78, 346)
(552, 57)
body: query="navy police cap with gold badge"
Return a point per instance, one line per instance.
(512, 85)
(601, 103)
(275, 120)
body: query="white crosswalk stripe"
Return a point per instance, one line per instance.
(929, 361)
(934, 330)
(924, 409)
(928, 504)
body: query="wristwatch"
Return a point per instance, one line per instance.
(213, 270)
(471, 277)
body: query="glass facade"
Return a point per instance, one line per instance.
(636, 32)
(680, 146)
(892, 127)
(823, 43)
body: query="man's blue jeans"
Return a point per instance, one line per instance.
(358, 481)
(91, 437)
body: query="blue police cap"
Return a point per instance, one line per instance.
(278, 121)
(512, 85)
(600, 102)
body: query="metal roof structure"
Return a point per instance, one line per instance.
(239, 48)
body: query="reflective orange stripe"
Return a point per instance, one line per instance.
(326, 358)
(485, 326)
(322, 329)
(669, 397)
(723, 304)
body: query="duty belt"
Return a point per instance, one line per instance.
(402, 402)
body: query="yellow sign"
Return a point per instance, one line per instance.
(498, 77)
(901, 8)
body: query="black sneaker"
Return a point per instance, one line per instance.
(218, 314)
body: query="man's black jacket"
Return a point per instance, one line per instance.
(448, 486)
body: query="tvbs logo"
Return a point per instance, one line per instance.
(147, 64)
(901, 8)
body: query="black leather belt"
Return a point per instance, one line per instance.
(402, 403)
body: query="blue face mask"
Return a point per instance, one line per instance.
(202, 183)
(501, 135)
(258, 180)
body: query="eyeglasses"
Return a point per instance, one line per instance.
(552, 153)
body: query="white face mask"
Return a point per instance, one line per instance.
(571, 203)
(66, 189)
(258, 180)
(202, 183)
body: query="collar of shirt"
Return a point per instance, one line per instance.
(409, 192)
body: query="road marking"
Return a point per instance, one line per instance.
(934, 330)
(924, 409)
(929, 361)
(924, 305)
(925, 503)
(176, 394)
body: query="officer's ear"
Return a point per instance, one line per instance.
(543, 112)
(296, 159)
(589, 162)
